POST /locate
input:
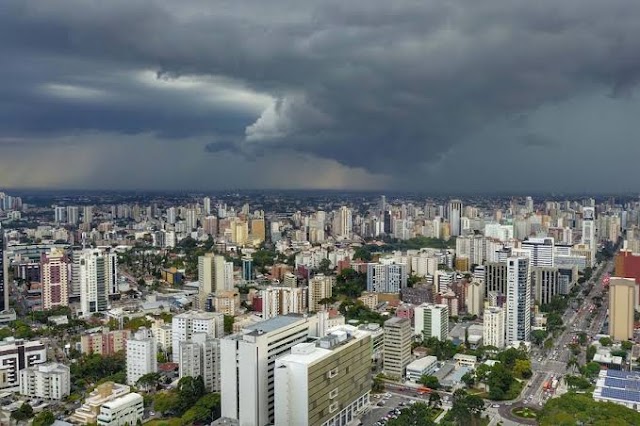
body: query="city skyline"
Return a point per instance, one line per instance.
(456, 97)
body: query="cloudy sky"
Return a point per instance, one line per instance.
(432, 95)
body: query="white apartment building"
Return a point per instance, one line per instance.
(397, 346)
(162, 334)
(472, 247)
(387, 276)
(493, 331)
(474, 297)
(325, 383)
(185, 324)
(589, 229)
(248, 362)
(141, 355)
(97, 274)
(320, 287)
(17, 354)
(541, 251)
(431, 321)
(200, 356)
(518, 318)
(48, 381)
(283, 300)
(499, 232)
(125, 410)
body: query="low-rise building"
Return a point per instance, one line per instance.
(420, 367)
(105, 342)
(89, 410)
(619, 387)
(17, 354)
(125, 410)
(48, 381)
(465, 360)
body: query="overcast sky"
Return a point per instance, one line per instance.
(432, 95)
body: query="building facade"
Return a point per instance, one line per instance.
(185, 324)
(622, 296)
(432, 321)
(387, 276)
(48, 381)
(397, 346)
(518, 318)
(200, 357)
(493, 331)
(142, 355)
(54, 268)
(320, 287)
(126, 410)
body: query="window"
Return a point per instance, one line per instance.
(333, 407)
(333, 393)
(332, 373)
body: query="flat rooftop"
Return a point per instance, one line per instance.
(274, 324)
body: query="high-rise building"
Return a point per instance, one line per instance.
(320, 287)
(493, 330)
(72, 215)
(141, 355)
(248, 361)
(432, 321)
(495, 278)
(106, 342)
(326, 382)
(97, 273)
(247, 268)
(185, 324)
(171, 215)
(518, 319)
(17, 354)
(283, 300)
(454, 215)
(206, 277)
(4, 275)
(258, 231)
(60, 214)
(589, 228)
(387, 276)
(397, 346)
(206, 206)
(622, 296)
(87, 214)
(48, 381)
(541, 251)
(342, 224)
(474, 297)
(546, 284)
(200, 357)
(55, 283)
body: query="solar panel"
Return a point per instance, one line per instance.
(621, 394)
(611, 382)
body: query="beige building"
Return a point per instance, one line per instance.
(88, 412)
(622, 294)
(397, 346)
(320, 287)
(105, 342)
(226, 302)
(326, 382)
(55, 280)
(370, 300)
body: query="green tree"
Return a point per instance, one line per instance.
(591, 351)
(522, 369)
(466, 409)
(469, 379)
(43, 418)
(538, 336)
(591, 370)
(626, 345)
(166, 402)
(378, 385)
(606, 341)
(576, 409)
(205, 410)
(190, 390)
(430, 381)
(23, 413)
(499, 381)
(416, 415)
(363, 253)
(228, 324)
(435, 400)
(325, 267)
(148, 381)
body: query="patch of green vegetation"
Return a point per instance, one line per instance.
(525, 412)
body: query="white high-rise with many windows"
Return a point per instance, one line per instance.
(387, 276)
(493, 327)
(432, 321)
(589, 228)
(200, 357)
(141, 355)
(541, 251)
(518, 321)
(97, 275)
(186, 324)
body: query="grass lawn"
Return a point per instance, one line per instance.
(525, 412)
(435, 412)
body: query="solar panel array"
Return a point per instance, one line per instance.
(612, 382)
(621, 385)
(622, 394)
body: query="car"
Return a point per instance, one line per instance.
(496, 406)
(152, 413)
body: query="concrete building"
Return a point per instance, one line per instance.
(123, 411)
(162, 335)
(386, 276)
(54, 268)
(283, 300)
(200, 357)
(420, 367)
(397, 346)
(105, 342)
(370, 300)
(16, 355)
(326, 382)
(454, 214)
(518, 318)
(48, 381)
(185, 324)
(142, 355)
(206, 279)
(622, 296)
(494, 327)
(248, 362)
(589, 229)
(320, 287)
(545, 282)
(495, 278)
(474, 297)
(88, 412)
(97, 275)
(541, 251)
(432, 321)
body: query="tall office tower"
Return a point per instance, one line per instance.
(320, 287)
(493, 331)
(432, 321)
(541, 251)
(206, 276)
(98, 277)
(397, 346)
(518, 318)
(228, 281)
(528, 204)
(283, 300)
(247, 366)
(55, 280)
(472, 247)
(325, 382)
(4, 275)
(622, 296)
(191, 219)
(210, 225)
(72, 215)
(495, 278)
(247, 268)
(383, 205)
(387, 276)
(589, 228)
(141, 355)
(60, 214)
(258, 231)
(546, 284)
(206, 206)
(87, 214)
(474, 297)
(171, 215)
(454, 215)
(200, 357)
(184, 325)
(342, 224)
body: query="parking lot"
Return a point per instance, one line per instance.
(383, 405)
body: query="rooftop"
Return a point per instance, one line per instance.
(274, 324)
(422, 363)
(618, 385)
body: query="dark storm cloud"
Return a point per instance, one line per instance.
(374, 84)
